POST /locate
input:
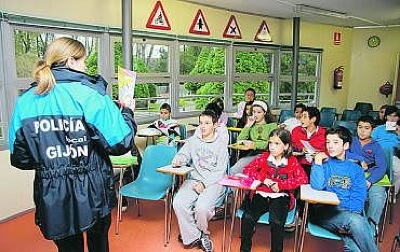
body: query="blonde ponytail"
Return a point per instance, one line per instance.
(44, 77)
(57, 53)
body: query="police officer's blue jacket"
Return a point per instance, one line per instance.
(66, 136)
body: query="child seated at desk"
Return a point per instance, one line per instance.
(372, 158)
(276, 174)
(217, 106)
(168, 127)
(195, 201)
(249, 95)
(246, 115)
(254, 135)
(345, 178)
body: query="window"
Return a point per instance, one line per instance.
(151, 61)
(254, 67)
(204, 93)
(30, 45)
(201, 75)
(308, 78)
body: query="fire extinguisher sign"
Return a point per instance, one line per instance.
(337, 38)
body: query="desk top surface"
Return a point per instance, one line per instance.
(315, 196)
(238, 146)
(183, 170)
(234, 129)
(149, 132)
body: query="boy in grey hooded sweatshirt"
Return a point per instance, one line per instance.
(195, 201)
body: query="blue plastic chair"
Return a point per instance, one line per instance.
(352, 126)
(327, 119)
(284, 115)
(364, 107)
(351, 115)
(291, 219)
(328, 109)
(374, 114)
(151, 184)
(321, 232)
(183, 131)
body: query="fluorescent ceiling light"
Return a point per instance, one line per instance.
(307, 9)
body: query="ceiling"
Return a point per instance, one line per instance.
(348, 13)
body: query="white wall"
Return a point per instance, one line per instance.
(16, 188)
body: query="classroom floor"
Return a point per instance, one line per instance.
(145, 233)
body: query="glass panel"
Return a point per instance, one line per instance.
(147, 57)
(307, 63)
(262, 90)
(31, 45)
(286, 63)
(197, 60)
(196, 95)
(306, 93)
(149, 97)
(253, 62)
(1, 128)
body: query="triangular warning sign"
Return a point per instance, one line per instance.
(232, 29)
(263, 33)
(158, 19)
(199, 25)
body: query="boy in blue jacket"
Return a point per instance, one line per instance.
(373, 162)
(347, 180)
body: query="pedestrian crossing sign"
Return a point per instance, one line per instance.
(199, 24)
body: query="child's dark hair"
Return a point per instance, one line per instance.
(214, 106)
(251, 90)
(284, 135)
(314, 112)
(366, 119)
(300, 105)
(219, 102)
(166, 106)
(209, 113)
(342, 132)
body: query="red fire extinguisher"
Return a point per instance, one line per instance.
(338, 78)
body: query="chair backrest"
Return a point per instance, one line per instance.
(364, 107)
(156, 156)
(182, 131)
(352, 126)
(374, 114)
(285, 114)
(231, 122)
(328, 109)
(327, 119)
(351, 115)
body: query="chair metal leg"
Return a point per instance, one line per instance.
(385, 211)
(391, 204)
(170, 208)
(303, 227)
(233, 216)
(296, 232)
(225, 213)
(119, 205)
(166, 214)
(396, 243)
